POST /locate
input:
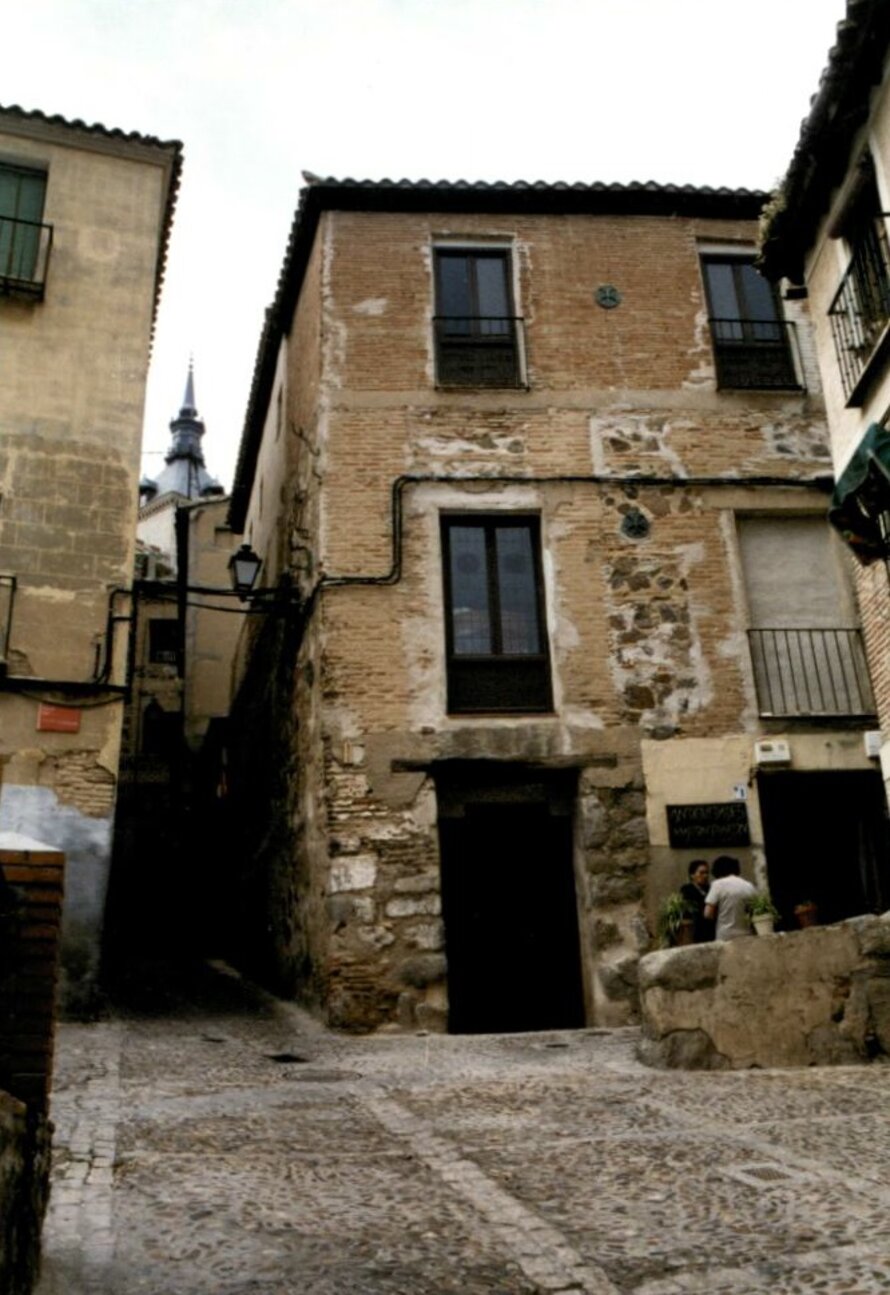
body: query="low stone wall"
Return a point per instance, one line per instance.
(814, 997)
(24, 1187)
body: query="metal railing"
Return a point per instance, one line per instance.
(810, 672)
(860, 310)
(754, 354)
(25, 246)
(479, 350)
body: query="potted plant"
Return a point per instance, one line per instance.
(806, 913)
(763, 913)
(676, 921)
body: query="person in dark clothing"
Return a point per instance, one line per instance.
(694, 892)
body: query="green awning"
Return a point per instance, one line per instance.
(860, 504)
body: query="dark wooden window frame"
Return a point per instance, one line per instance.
(478, 355)
(164, 641)
(496, 682)
(749, 353)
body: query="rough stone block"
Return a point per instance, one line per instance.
(681, 970)
(873, 935)
(358, 872)
(878, 994)
(420, 884)
(423, 969)
(682, 1050)
(431, 1017)
(427, 935)
(423, 906)
(620, 980)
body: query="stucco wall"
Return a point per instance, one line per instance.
(72, 381)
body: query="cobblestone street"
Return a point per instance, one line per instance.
(229, 1146)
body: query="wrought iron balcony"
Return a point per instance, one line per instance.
(24, 257)
(754, 354)
(810, 673)
(860, 311)
(479, 350)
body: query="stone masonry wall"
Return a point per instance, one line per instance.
(820, 996)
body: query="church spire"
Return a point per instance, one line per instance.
(187, 428)
(185, 473)
(189, 408)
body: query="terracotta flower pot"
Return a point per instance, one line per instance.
(806, 915)
(685, 932)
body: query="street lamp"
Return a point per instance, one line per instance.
(244, 567)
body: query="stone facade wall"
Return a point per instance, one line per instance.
(646, 633)
(73, 373)
(814, 997)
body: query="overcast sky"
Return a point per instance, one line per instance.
(683, 91)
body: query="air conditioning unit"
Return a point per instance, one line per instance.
(873, 743)
(771, 751)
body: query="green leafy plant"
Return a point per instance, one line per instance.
(674, 910)
(761, 905)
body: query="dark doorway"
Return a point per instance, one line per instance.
(509, 906)
(826, 840)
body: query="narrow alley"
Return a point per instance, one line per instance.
(218, 1142)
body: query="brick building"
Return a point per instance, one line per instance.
(828, 234)
(85, 216)
(548, 467)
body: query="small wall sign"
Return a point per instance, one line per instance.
(57, 719)
(700, 826)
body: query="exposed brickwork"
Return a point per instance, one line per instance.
(79, 780)
(30, 964)
(646, 630)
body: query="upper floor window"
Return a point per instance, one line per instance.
(477, 332)
(751, 340)
(163, 641)
(860, 310)
(806, 648)
(24, 239)
(495, 631)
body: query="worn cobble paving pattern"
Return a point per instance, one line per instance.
(188, 1161)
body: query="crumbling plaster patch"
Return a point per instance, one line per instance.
(658, 663)
(371, 306)
(701, 372)
(621, 431)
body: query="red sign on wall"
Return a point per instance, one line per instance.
(58, 719)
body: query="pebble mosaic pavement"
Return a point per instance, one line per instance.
(189, 1161)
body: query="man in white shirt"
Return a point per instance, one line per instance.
(728, 899)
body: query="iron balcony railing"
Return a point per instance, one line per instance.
(860, 310)
(25, 246)
(479, 350)
(810, 672)
(754, 354)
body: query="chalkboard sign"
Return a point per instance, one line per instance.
(702, 826)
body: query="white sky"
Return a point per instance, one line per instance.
(682, 91)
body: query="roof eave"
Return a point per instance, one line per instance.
(461, 196)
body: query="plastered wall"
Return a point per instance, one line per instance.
(72, 380)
